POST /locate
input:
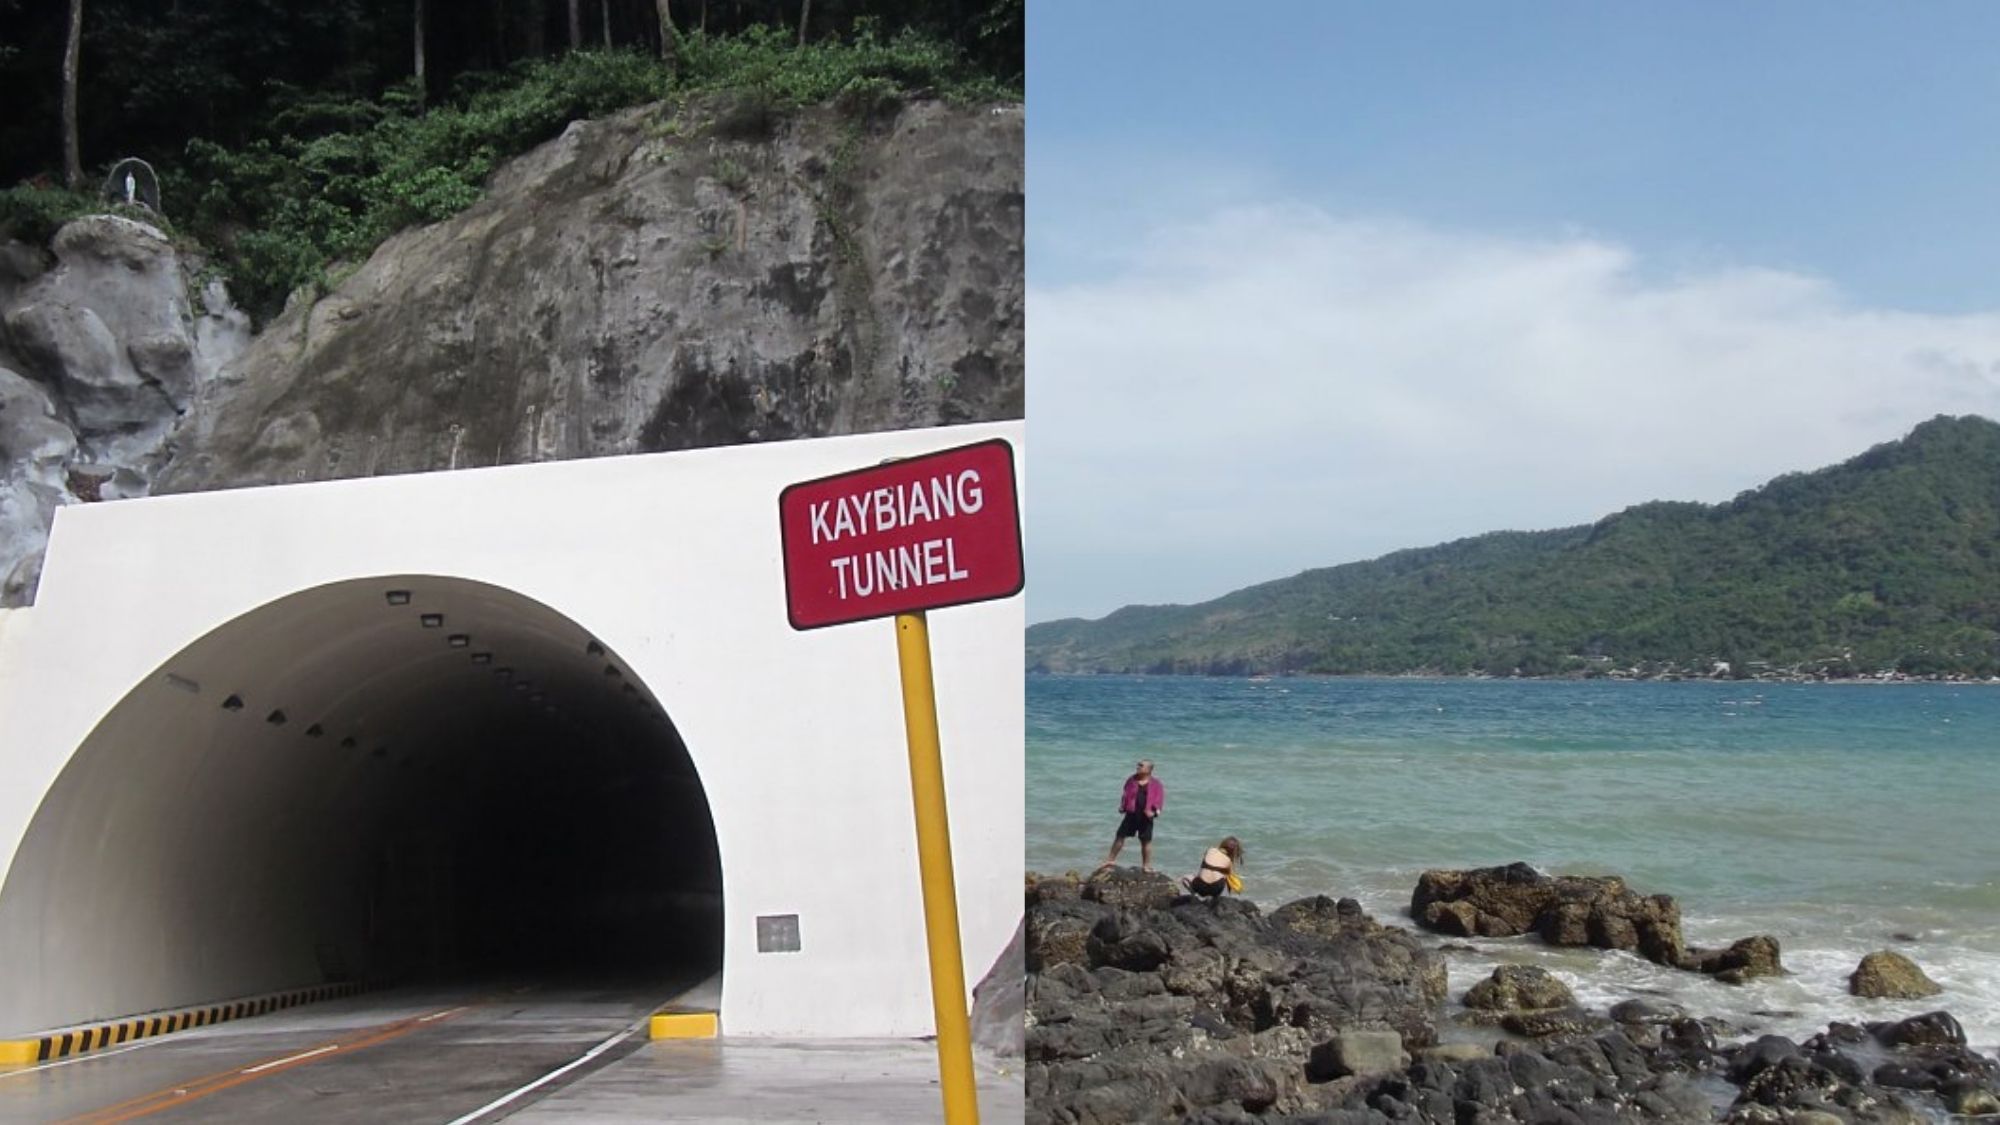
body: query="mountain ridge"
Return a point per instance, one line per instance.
(1886, 562)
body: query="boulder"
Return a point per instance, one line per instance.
(1490, 901)
(1745, 959)
(1598, 911)
(1643, 1011)
(1889, 975)
(1932, 1029)
(1516, 987)
(1357, 1052)
(1058, 932)
(1130, 888)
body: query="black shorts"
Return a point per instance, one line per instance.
(1208, 890)
(1136, 824)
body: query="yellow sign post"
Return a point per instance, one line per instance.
(954, 1031)
(894, 540)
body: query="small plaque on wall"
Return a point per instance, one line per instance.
(777, 933)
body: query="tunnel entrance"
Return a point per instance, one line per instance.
(388, 780)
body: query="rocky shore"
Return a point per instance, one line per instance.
(1146, 1005)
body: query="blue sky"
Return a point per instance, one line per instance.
(1314, 281)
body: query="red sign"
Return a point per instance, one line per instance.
(922, 533)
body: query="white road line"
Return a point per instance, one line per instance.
(280, 1062)
(551, 1076)
(441, 1015)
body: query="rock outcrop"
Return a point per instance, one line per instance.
(1574, 910)
(666, 278)
(660, 279)
(104, 342)
(1168, 1010)
(1216, 1012)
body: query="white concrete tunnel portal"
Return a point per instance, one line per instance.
(384, 779)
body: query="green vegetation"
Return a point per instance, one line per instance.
(1889, 561)
(333, 151)
(34, 212)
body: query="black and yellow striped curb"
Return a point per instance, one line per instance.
(62, 1044)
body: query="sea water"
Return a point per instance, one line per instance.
(1839, 818)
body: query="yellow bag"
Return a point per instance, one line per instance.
(1235, 882)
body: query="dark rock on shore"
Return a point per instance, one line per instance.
(1578, 910)
(1143, 1012)
(1516, 899)
(1515, 987)
(1744, 960)
(1641, 1011)
(1218, 1012)
(1130, 888)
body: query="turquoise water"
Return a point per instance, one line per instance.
(1833, 816)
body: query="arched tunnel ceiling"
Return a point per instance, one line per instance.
(345, 660)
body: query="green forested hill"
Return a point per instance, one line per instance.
(1888, 561)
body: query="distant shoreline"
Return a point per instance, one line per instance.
(1446, 677)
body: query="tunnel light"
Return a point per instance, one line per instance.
(535, 697)
(347, 743)
(594, 649)
(314, 731)
(612, 670)
(504, 673)
(458, 640)
(432, 620)
(482, 658)
(521, 685)
(380, 752)
(233, 703)
(275, 718)
(183, 683)
(398, 597)
(631, 690)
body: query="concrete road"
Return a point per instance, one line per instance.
(458, 1056)
(774, 1080)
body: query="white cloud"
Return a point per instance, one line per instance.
(1275, 387)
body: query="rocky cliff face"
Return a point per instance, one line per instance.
(668, 278)
(103, 347)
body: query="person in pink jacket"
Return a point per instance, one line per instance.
(1144, 797)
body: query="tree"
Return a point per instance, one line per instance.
(604, 9)
(805, 16)
(575, 24)
(670, 40)
(420, 53)
(72, 55)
